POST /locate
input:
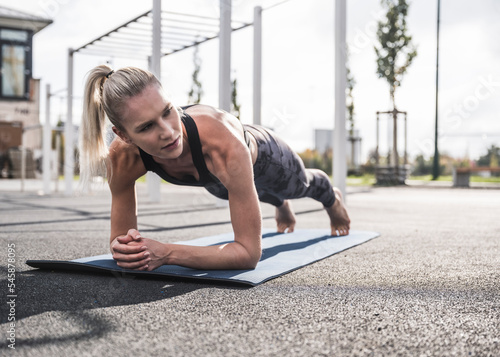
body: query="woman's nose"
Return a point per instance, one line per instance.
(166, 131)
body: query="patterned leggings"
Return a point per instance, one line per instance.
(279, 173)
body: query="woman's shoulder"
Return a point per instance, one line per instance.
(215, 124)
(125, 161)
(120, 150)
(205, 113)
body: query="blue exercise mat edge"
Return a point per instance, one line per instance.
(253, 277)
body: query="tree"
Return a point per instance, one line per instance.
(316, 160)
(350, 82)
(194, 95)
(58, 135)
(491, 158)
(395, 52)
(350, 100)
(235, 106)
(422, 166)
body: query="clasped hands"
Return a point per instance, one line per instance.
(132, 251)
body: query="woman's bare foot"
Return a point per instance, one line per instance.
(285, 218)
(339, 219)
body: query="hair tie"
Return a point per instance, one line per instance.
(110, 73)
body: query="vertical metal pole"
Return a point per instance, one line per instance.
(225, 55)
(406, 140)
(58, 158)
(352, 143)
(156, 54)
(46, 145)
(339, 139)
(23, 162)
(68, 131)
(435, 166)
(378, 136)
(225, 30)
(257, 65)
(153, 180)
(389, 146)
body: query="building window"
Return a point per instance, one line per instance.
(15, 63)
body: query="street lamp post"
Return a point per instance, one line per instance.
(435, 167)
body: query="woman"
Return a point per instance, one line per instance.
(198, 146)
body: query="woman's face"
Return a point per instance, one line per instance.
(152, 123)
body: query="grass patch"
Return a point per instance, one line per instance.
(491, 179)
(364, 180)
(446, 178)
(449, 178)
(369, 179)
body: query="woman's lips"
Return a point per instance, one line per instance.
(172, 146)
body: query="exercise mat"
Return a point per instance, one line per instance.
(281, 254)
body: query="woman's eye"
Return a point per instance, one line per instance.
(166, 113)
(147, 127)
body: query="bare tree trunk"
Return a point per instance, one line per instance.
(395, 156)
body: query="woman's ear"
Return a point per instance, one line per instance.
(122, 135)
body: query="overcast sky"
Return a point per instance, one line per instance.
(298, 80)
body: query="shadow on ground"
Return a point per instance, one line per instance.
(75, 294)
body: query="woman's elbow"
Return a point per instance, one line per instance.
(251, 260)
(247, 255)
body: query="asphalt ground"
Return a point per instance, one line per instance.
(428, 286)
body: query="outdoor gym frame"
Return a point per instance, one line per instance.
(173, 32)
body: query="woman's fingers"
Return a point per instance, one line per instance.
(138, 265)
(132, 235)
(130, 251)
(124, 239)
(131, 257)
(129, 248)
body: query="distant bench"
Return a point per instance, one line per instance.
(461, 175)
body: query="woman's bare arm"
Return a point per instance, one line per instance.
(124, 168)
(229, 159)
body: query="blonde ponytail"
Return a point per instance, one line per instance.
(93, 149)
(105, 95)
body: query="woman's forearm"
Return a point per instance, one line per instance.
(227, 256)
(149, 254)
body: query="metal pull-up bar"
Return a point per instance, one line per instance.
(118, 36)
(155, 48)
